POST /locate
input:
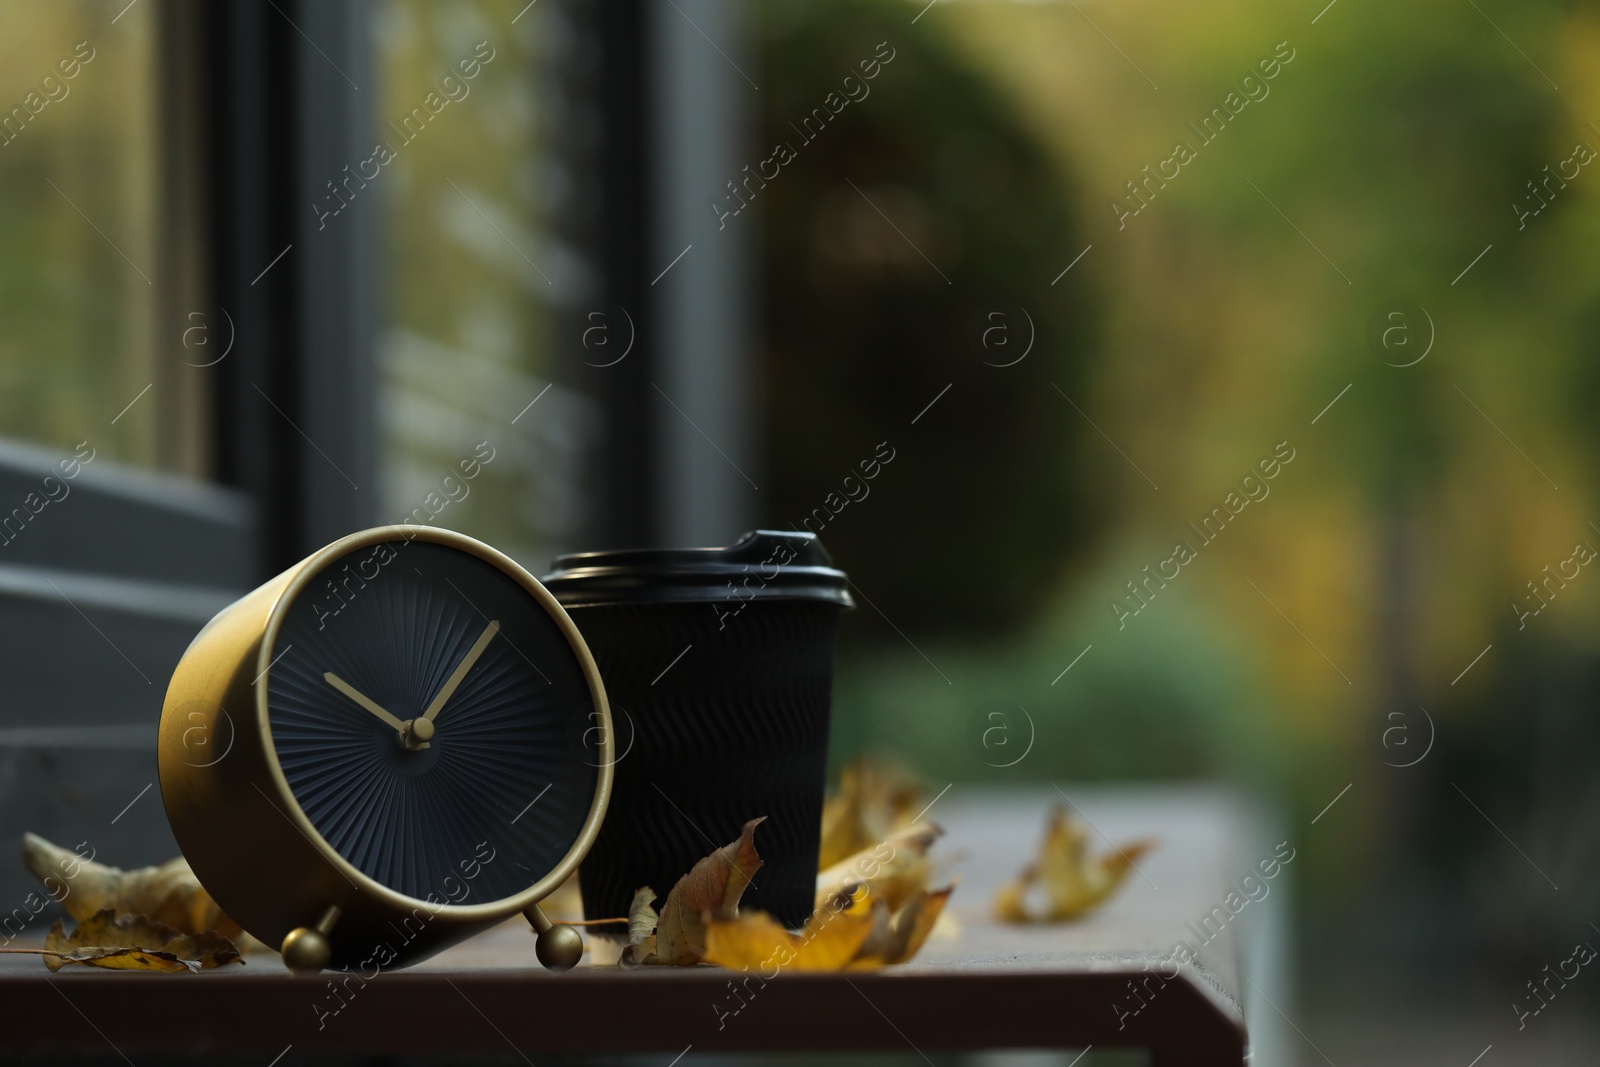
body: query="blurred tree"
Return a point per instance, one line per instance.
(1384, 165)
(910, 246)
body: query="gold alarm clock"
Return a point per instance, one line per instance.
(392, 745)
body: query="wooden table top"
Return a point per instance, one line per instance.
(984, 986)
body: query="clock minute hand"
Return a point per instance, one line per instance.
(361, 698)
(462, 668)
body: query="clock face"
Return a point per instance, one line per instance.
(433, 722)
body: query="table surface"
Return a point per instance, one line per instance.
(982, 985)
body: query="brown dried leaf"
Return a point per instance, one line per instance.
(642, 921)
(135, 943)
(712, 887)
(1073, 882)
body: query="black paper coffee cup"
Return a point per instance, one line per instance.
(718, 663)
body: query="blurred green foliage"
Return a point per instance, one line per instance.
(1222, 319)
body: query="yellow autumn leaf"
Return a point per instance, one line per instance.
(827, 942)
(893, 870)
(874, 799)
(897, 938)
(712, 888)
(846, 932)
(169, 893)
(1073, 883)
(135, 943)
(853, 927)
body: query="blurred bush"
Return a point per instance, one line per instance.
(891, 242)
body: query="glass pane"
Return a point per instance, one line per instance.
(473, 280)
(92, 277)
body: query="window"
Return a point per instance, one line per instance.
(270, 334)
(474, 278)
(98, 281)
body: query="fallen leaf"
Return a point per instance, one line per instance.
(168, 894)
(897, 939)
(879, 914)
(642, 918)
(1072, 882)
(135, 943)
(642, 921)
(712, 888)
(852, 931)
(874, 799)
(1008, 898)
(893, 870)
(829, 941)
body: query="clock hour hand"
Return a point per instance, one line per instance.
(462, 668)
(365, 701)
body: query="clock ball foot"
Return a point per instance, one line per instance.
(305, 950)
(559, 948)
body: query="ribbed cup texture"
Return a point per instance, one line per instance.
(736, 728)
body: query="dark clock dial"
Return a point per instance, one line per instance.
(433, 722)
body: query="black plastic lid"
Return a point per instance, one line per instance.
(761, 565)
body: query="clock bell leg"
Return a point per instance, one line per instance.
(559, 948)
(306, 949)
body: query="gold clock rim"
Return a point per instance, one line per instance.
(304, 573)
